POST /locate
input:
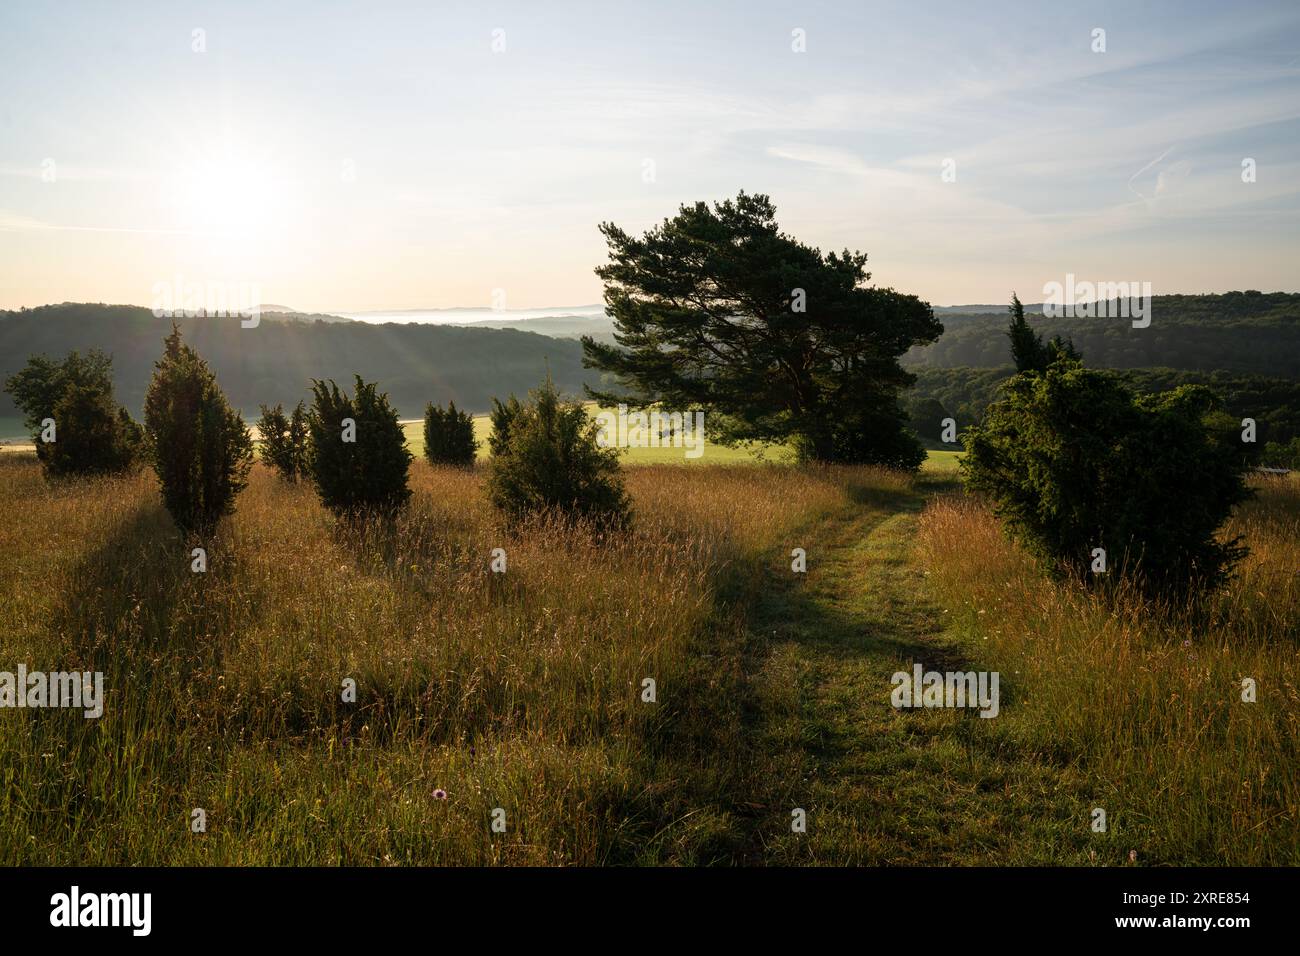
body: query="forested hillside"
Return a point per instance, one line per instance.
(964, 394)
(275, 361)
(1243, 332)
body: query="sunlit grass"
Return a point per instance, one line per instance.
(1147, 700)
(523, 691)
(711, 454)
(519, 691)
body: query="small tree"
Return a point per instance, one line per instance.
(1027, 348)
(1074, 462)
(284, 440)
(358, 457)
(298, 439)
(551, 462)
(448, 436)
(502, 416)
(93, 434)
(202, 450)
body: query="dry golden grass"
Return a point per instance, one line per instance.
(1147, 701)
(519, 691)
(522, 691)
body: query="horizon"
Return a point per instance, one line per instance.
(412, 160)
(577, 311)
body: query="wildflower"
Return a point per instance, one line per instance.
(440, 794)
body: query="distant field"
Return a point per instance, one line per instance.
(712, 454)
(936, 461)
(11, 428)
(941, 461)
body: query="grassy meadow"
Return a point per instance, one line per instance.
(712, 454)
(523, 691)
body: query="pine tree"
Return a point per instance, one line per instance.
(358, 457)
(1027, 349)
(502, 416)
(717, 308)
(284, 440)
(448, 436)
(202, 450)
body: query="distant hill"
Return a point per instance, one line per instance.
(282, 313)
(600, 327)
(569, 322)
(1241, 332)
(275, 361)
(944, 310)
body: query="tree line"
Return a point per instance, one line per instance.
(1244, 333)
(965, 394)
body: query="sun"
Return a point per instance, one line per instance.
(226, 197)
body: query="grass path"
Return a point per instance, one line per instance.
(885, 786)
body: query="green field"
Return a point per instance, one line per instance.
(941, 461)
(712, 454)
(938, 461)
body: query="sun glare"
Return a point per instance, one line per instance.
(225, 198)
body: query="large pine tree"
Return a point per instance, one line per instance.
(717, 308)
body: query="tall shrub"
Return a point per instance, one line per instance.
(502, 416)
(448, 436)
(284, 440)
(1073, 461)
(91, 432)
(551, 462)
(358, 457)
(202, 450)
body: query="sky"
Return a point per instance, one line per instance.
(381, 155)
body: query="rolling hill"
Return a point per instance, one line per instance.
(275, 361)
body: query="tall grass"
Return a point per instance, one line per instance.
(520, 691)
(1145, 700)
(523, 691)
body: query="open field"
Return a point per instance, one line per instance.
(711, 454)
(522, 691)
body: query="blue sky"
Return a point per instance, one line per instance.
(383, 155)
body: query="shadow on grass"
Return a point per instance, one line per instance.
(132, 610)
(135, 605)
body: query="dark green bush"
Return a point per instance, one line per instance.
(93, 434)
(448, 436)
(1073, 461)
(1281, 455)
(201, 448)
(284, 440)
(502, 416)
(364, 476)
(550, 462)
